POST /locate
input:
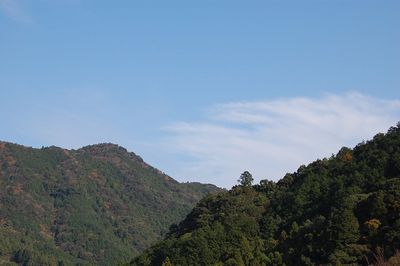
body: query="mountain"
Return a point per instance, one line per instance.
(344, 210)
(96, 205)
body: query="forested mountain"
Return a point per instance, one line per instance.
(344, 210)
(96, 205)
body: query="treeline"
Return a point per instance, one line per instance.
(344, 210)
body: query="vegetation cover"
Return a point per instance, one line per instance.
(96, 205)
(344, 210)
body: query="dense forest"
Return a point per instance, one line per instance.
(343, 210)
(97, 205)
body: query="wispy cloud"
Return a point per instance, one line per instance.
(272, 137)
(14, 10)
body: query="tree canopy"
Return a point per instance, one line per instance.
(344, 210)
(98, 205)
(246, 179)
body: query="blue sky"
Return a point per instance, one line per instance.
(190, 85)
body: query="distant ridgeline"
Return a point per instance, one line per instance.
(98, 205)
(344, 210)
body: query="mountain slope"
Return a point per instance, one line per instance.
(344, 210)
(94, 205)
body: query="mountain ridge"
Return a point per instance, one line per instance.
(71, 206)
(342, 210)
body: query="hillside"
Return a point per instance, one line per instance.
(96, 205)
(344, 210)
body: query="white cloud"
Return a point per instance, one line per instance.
(15, 10)
(272, 137)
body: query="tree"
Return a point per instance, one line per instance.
(167, 262)
(246, 179)
(346, 225)
(23, 257)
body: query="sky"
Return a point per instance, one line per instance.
(202, 90)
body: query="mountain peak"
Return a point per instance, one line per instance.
(105, 147)
(101, 195)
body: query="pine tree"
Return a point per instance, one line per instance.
(246, 179)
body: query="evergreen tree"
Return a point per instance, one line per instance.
(246, 179)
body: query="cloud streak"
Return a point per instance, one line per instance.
(272, 137)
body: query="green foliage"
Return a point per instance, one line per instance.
(335, 211)
(167, 262)
(246, 179)
(96, 205)
(22, 256)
